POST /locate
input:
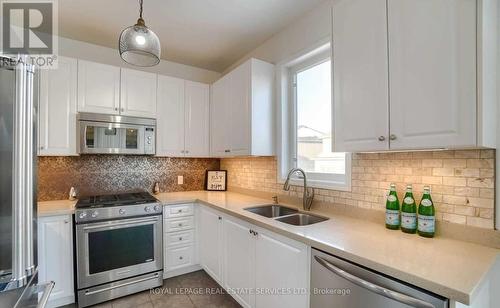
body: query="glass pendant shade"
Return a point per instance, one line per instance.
(139, 45)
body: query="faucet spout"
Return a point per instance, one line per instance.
(308, 196)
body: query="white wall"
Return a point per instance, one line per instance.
(91, 52)
(497, 189)
(305, 32)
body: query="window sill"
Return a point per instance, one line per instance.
(341, 186)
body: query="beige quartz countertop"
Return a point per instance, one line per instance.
(450, 268)
(54, 208)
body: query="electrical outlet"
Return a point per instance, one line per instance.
(180, 180)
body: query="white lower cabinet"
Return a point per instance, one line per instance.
(210, 242)
(239, 260)
(179, 240)
(55, 257)
(259, 268)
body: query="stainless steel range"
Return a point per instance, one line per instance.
(118, 246)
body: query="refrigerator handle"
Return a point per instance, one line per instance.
(19, 276)
(400, 297)
(30, 201)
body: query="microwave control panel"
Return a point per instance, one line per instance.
(149, 140)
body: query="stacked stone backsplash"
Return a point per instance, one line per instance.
(462, 181)
(101, 174)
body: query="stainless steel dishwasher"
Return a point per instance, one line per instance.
(338, 283)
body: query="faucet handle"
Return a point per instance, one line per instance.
(275, 199)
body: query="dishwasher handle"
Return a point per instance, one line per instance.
(400, 297)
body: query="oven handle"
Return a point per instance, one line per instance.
(121, 223)
(155, 276)
(400, 297)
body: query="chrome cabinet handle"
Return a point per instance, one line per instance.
(179, 211)
(88, 292)
(381, 138)
(227, 151)
(220, 218)
(393, 137)
(116, 109)
(400, 297)
(180, 258)
(180, 238)
(180, 225)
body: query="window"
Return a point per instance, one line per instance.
(307, 133)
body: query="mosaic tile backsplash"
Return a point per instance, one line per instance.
(101, 174)
(462, 181)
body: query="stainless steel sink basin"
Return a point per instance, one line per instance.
(272, 210)
(301, 219)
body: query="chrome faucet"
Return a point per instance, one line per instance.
(308, 197)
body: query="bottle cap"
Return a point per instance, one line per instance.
(408, 186)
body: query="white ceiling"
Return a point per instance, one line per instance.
(211, 34)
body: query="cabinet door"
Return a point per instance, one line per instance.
(197, 129)
(57, 133)
(138, 93)
(98, 87)
(239, 254)
(360, 78)
(432, 48)
(55, 257)
(281, 263)
(170, 121)
(210, 243)
(239, 106)
(219, 118)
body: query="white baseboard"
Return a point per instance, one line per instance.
(61, 301)
(181, 271)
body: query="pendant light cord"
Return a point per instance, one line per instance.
(140, 8)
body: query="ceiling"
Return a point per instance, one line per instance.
(211, 34)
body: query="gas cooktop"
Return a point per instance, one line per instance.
(115, 200)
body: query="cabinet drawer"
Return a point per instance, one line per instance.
(179, 238)
(182, 210)
(178, 257)
(178, 224)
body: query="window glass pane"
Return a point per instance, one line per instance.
(314, 122)
(131, 138)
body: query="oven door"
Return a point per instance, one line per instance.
(111, 138)
(117, 249)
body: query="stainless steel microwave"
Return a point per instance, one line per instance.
(113, 134)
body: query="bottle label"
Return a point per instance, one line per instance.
(408, 220)
(392, 217)
(391, 198)
(426, 223)
(426, 202)
(409, 200)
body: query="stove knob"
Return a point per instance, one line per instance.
(82, 215)
(94, 214)
(147, 209)
(157, 208)
(121, 212)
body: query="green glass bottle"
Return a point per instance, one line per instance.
(392, 220)
(426, 215)
(409, 212)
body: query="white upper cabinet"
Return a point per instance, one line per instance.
(138, 93)
(405, 75)
(182, 118)
(58, 104)
(98, 88)
(360, 78)
(197, 127)
(219, 113)
(170, 122)
(432, 69)
(242, 112)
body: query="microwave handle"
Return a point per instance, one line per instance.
(397, 296)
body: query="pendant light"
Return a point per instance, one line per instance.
(139, 45)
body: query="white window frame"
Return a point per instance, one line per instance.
(286, 118)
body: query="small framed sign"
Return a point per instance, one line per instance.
(216, 180)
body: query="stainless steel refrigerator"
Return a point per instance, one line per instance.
(18, 114)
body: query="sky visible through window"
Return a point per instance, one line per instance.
(314, 122)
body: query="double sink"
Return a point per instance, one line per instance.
(286, 215)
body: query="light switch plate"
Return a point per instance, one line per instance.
(180, 180)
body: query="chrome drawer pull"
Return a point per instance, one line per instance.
(400, 297)
(180, 238)
(88, 292)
